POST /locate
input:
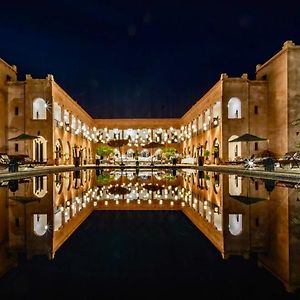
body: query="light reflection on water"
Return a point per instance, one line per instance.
(240, 216)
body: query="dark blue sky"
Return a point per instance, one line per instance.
(142, 58)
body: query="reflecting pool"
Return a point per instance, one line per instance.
(148, 234)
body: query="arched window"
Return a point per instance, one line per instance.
(218, 220)
(74, 122)
(234, 108)
(200, 122)
(58, 149)
(206, 122)
(40, 149)
(58, 183)
(40, 186)
(67, 181)
(130, 153)
(235, 224)
(216, 149)
(67, 151)
(234, 148)
(157, 154)
(235, 185)
(40, 225)
(57, 112)
(39, 109)
(57, 219)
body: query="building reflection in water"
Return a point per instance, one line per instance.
(239, 215)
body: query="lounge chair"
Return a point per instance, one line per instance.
(25, 160)
(4, 160)
(290, 159)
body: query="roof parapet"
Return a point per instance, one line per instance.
(288, 44)
(258, 66)
(50, 77)
(14, 67)
(223, 76)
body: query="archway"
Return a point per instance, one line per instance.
(216, 150)
(40, 186)
(157, 154)
(40, 149)
(206, 152)
(145, 153)
(234, 149)
(58, 152)
(67, 153)
(129, 153)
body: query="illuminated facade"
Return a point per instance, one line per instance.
(264, 107)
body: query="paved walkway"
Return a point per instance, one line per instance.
(278, 174)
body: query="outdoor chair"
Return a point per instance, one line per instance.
(25, 160)
(4, 160)
(237, 161)
(290, 159)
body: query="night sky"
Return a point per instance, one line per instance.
(130, 59)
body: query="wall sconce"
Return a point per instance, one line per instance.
(216, 121)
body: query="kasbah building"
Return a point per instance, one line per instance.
(265, 107)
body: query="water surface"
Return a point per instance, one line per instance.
(149, 234)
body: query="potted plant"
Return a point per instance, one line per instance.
(206, 154)
(104, 151)
(169, 152)
(57, 156)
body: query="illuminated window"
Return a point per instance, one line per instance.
(235, 224)
(66, 117)
(57, 112)
(39, 109)
(234, 108)
(40, 225)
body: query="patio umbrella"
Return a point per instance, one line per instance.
(248, 200)
(24, 199)
(23, 137)
(152, 187)
(119, 190)
(118, 144)
(151, 146)
(247, 137)
(267, 153)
